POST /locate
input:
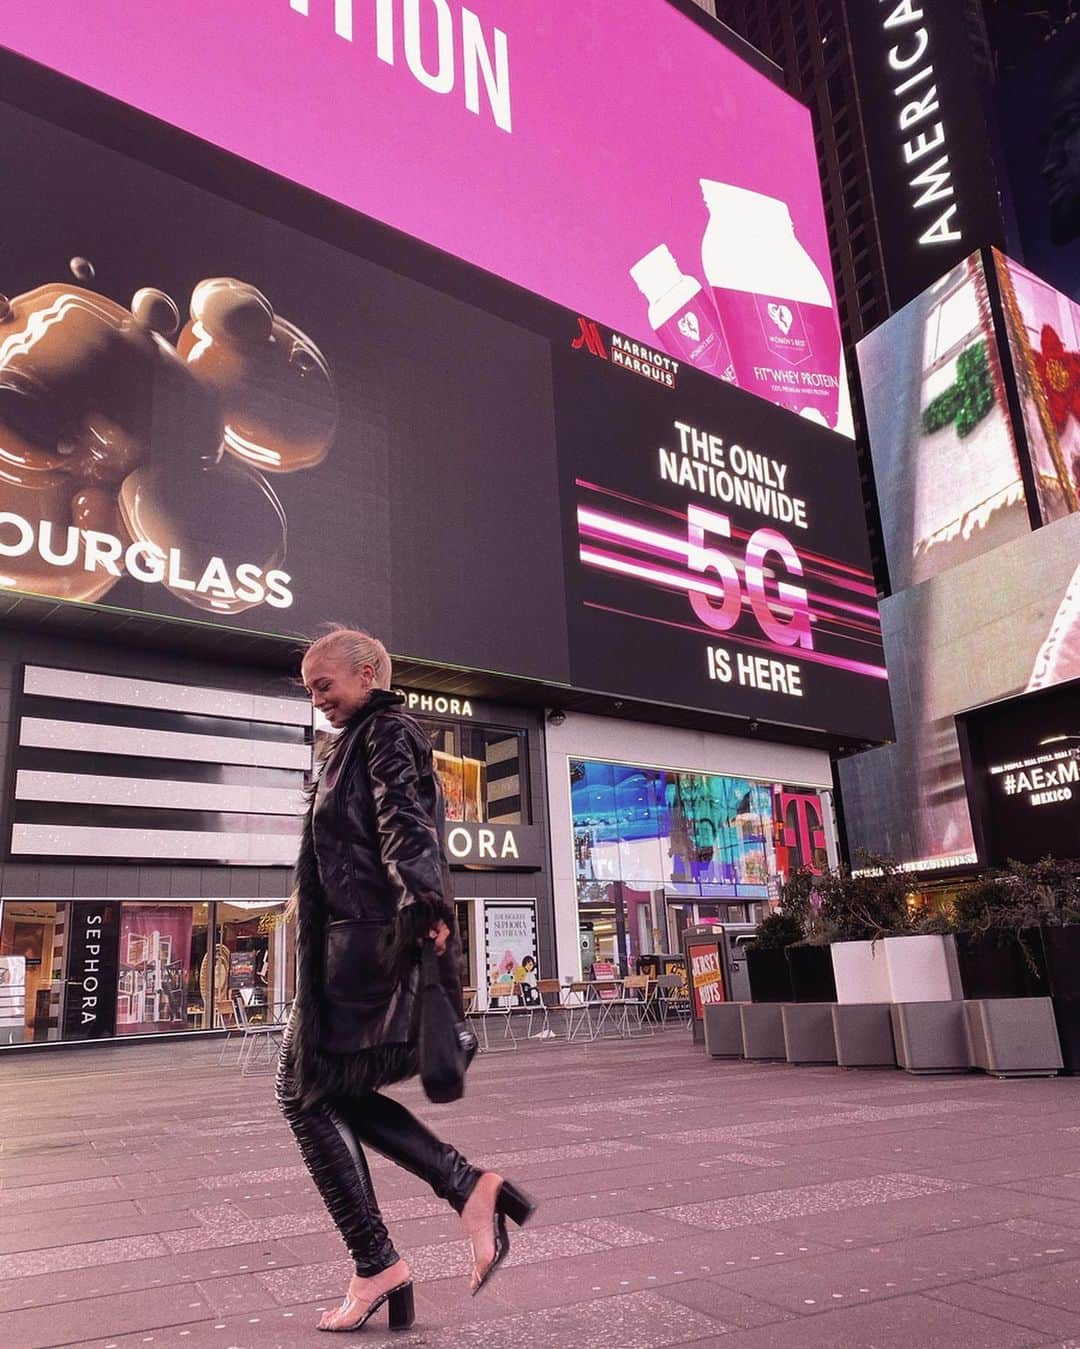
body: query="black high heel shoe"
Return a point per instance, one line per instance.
(402, 1310)
(512, 1203)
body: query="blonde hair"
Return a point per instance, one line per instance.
(356, 648)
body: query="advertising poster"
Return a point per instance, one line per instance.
(675, 197)
(1022, 766)
(28, 941)
(90, 989)
(710, 536)
(242, 969)
(1044, 335)
(510, 949)
(1001, 625)
(193, 430)
(946, 467)
(706, 975)
(155, 958)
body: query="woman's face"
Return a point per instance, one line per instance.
(336, 690)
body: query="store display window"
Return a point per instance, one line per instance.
(94, 969)
(657, 850)
(253, 960)
(482, 770)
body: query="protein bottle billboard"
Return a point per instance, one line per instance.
(552, 145)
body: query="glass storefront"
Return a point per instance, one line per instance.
(483, 768)
(482, 771)
(657, 850)
(87, 969)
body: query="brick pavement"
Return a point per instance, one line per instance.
(150, 1197)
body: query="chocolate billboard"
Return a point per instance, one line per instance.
(631, 167)
(208, 414)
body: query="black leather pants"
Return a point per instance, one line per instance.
(330, 1134)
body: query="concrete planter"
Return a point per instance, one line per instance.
(922, 969)
(763, 1030)
(811, 973)
(769, 975)
(861, 971)
(723, 1030)
(996, 964)
(1013, 1037)
(864, 1035)
(808, 1032)
(931, 1037)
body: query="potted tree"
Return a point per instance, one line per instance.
(1049, 896)
(998, 951)
(859, 910)
(1009, 928)
(807, 1021)
(766, 961)
(808, 959)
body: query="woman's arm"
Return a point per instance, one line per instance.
(409, 844)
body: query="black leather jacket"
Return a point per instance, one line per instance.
(377, 835)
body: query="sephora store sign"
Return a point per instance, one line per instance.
(671, 193)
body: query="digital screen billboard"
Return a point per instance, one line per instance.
(1022, 764)
(206, 414)
(702, 532)
(946, 465)
(620, 162)
(1043, 327)
(1000, 625)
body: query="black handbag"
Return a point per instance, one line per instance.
(446, 1045)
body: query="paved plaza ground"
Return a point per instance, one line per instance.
(149, 1196)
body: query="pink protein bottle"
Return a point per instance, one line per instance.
(774, 303)
(681, 314)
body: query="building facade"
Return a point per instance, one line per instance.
(599, 500)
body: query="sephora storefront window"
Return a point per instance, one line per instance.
(88, 969)
(481, 769)
(656, 851)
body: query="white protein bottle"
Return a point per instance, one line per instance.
(774, 303)
(681, 314)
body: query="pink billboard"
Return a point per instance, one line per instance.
(621, 162)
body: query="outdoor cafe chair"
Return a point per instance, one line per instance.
(229, 1021)
(578, 1003)
(672, 999)
(503, 1004)
(261, 1040)
(549, 999)
(638, 993)
(607, 1005)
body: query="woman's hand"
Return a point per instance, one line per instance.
(440, 935)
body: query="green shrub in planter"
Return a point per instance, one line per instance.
(998, 955)
(766, 963)
(867, 905)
